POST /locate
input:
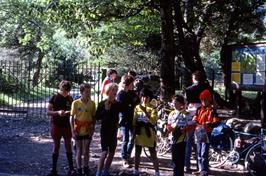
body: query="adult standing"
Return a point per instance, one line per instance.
(192, 92)
(59, 110)
(111, 75)
(127, 99)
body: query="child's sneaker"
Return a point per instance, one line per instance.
(125, 164)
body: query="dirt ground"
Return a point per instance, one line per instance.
(26, 145)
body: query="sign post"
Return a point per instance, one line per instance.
(246, 71)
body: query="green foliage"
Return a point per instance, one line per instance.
(116, 32)
(8, 82)
(212, 64)
(22, 95)
(32, 27)
(129, 57)
(16, 89)
(63, 57)
(248, 63)
(114, 35)
(244, 18)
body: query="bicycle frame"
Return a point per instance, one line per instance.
(239, 153)
(259, 149)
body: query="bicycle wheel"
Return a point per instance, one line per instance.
(255, 160)
(218, 156)
(163, 146)
(147, 152)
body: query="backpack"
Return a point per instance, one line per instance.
(220, 135)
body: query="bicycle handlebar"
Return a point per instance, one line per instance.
(245, 133)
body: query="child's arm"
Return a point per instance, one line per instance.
(147, 115)
(169, 125)
(100, 111)
(71, 120)
(51, 111)
(92, 129)
(195, 118)
(153, 116)
(134, 121)
(213, 118)
(93, 119)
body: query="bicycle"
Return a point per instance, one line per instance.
(221, 143)
(259, 149)
(246, 147)
(163, 145)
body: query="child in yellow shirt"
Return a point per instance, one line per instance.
(82, 125)
(144, 120)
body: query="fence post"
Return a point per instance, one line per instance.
(104, 73)
(99, 82)
(28, 100)
(213, 78)
(263, 109)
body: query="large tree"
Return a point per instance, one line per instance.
(185, 26)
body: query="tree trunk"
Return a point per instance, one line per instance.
(36, 75)
(224, 51)
(167, 51)
(188, 44)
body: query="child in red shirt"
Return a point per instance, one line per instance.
(204, 118)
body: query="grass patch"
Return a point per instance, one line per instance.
(23, 95)
(249, 94)
(8, 99)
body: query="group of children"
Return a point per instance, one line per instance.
(136, 117)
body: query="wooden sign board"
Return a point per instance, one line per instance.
(247, 67)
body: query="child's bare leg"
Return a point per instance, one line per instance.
(109, 160)
(67, 140)
(79, 153)
(154, 158)
(137, 156)
(86, 152)
(56, 146)
(101, 161)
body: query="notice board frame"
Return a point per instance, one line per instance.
(246, 67)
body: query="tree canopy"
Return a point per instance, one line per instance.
(177, 33)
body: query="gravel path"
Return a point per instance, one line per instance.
(25, 149)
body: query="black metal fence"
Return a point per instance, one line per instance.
(26, 89)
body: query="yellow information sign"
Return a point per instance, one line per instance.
(235, 66)
(235, 77)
